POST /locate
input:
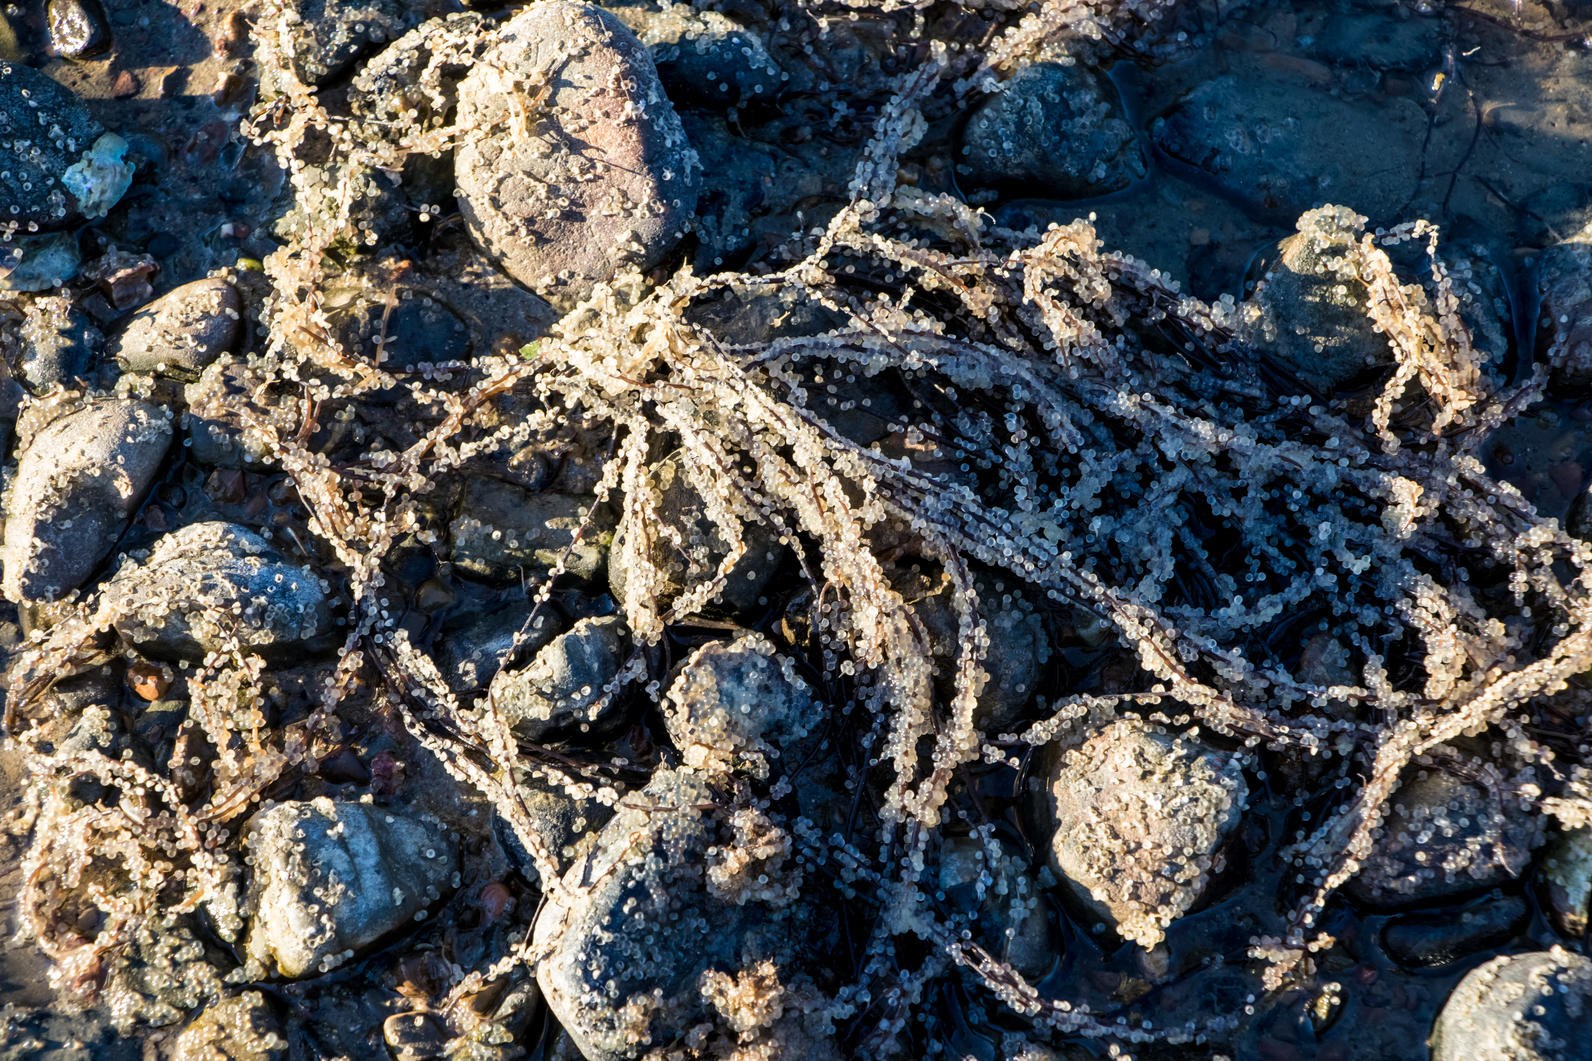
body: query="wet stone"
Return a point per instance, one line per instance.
(79, 29)
(76, 484)
(38, 263)
(739, 706)
(1566, 877)
(1053, 130)
(332, 878)
(1138, 820)
(44, 131)
(566, 686)
(1284, 147)
(323, 38)
(1381, 41)
(502, 532)
(413, 329)
(1524, 1007)
(211, 584)
(1443, 837)
(687, 549)
(1428, 940)
(993, 887)
(470, 650)
(1309, 311)
(705, 58)
(60, 345)
(240, 1028)
(1564, 321)
(588, 169)
(665, 925)
(182, 331)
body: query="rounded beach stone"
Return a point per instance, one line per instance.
(578, 164)
(1521, 1007)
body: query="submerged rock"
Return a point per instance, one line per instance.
(582, 165)
(79, 480)
(705, 58)
(1523, 1007)
(1055, 130)
(60, 345)
(1564, 321)
(44, 132)
(739, 706)
(502, 532)
(210, 585)
(1567, 881)
(1443, 837)
(331, 878)
(1138, 820)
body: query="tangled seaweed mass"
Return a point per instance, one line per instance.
(927, 635)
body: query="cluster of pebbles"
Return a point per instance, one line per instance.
(692, 914)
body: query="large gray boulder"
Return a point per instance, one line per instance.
(1521, 1007)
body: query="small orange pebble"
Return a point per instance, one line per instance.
(496, 901)
(147, 680)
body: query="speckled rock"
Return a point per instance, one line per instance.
(703, 57)
(1309, 311)
(209, 583)
(684, 918)
(182, 331)
(321, 39)
(993, 888)
(60, 345)
(1138, 818)
(686, 549)
(1566, 877)
(737, 705)
(240, 1028)
(1564, 321)
(587, 167)
(1429, 940)
(38, 263)
(1053, 130)
(331, 878)
(1522, 1007)
(472, 645)
(48, 150)
(1442, 837)
(79, 29)
(502, 531)
(565, 686)
(1284, 146)
(76, 484)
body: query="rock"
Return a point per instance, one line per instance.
(44, 132)
(1137, 822)
(1564, 321)
(1523, 1007)
(181, 332)
(470, 651)
(583, 166)
(1055, 130)
(1566, 877)
(1018, 649)
(1381, 41)
(79, 29)
(330, 879)
(240, 1028)
(60, 345)
(1309, 311)
(207, 584)
(1284, 147)
(416, 330)
(686, 548)
(684, 918)
(705, 58)
(321, 39)
(1427, 940)
(502, 531)
(567, 823)
(77, 483)
(38, 263)
(739, 706)
(1442, 837)
(566, 685)
(995, 890)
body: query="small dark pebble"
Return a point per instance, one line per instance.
(1427, 940)
(78, 28)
